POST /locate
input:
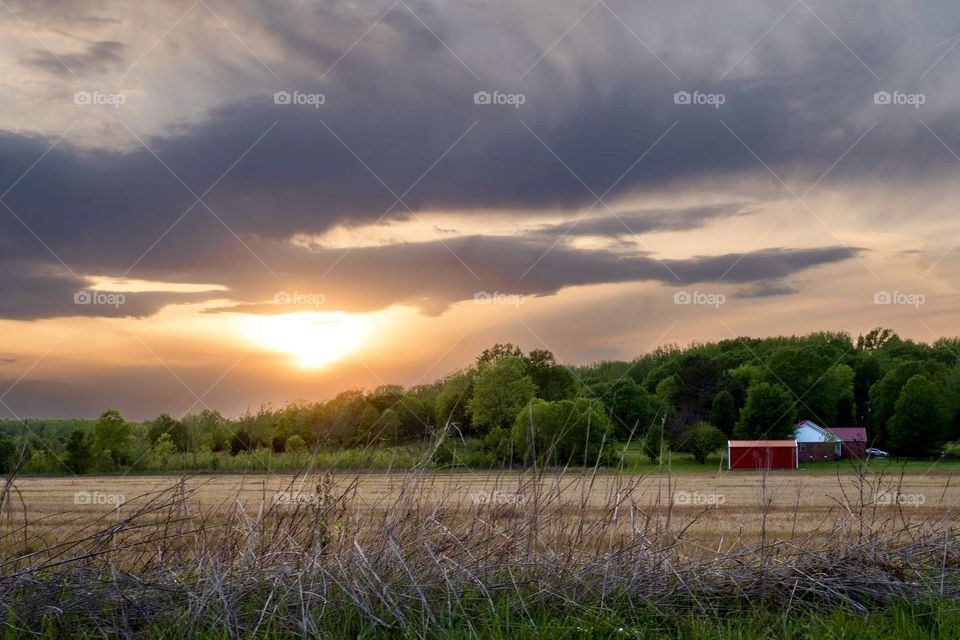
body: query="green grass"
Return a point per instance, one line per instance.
(635, 461)
(405, 457)
(920, 621)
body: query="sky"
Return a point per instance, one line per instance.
(220, 204)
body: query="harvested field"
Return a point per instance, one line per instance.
(401, 551)
(711, 507)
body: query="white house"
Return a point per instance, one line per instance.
(814, 443)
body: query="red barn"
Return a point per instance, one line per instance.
(762, 454)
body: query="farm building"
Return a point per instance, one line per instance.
(853, 441)
(816, 444)
(762, 454)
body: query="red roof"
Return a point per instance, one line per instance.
(850, 434)
(762, 443)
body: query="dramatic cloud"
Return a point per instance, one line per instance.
(431, 276)
(544, 141)
(631, 223)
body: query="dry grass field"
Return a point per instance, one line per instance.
(717, 509)
(410, 550)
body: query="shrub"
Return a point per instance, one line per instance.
(703, 439)
(563, 432)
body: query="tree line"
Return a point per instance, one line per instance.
(514, 408)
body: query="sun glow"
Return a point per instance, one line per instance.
(314, 339)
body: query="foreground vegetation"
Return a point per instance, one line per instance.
(542, 555)
(934, 620)
(512, 409)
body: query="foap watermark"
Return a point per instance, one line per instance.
(899, 297)
(698, 297)
(697, 98)
(497, 97)
(512, 299)
(299, 98)
(99, 298)
(898, 98)
(295, 498)
(697, 499)
(299, 298)
(99, 498)
(99, 98)
(497, 498)
(895, 498)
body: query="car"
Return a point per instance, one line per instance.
(877, 453)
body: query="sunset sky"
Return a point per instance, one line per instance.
(225, 203)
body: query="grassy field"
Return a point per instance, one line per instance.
(701, 553)
(635, 461)
(717, 509)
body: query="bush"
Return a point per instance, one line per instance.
(951, 451)
(703, 439)
(473, 453)
(563, 432)
(654, 444)
(295, 444)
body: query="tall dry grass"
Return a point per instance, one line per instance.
(424, 554)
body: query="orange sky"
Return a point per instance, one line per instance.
(261, 205)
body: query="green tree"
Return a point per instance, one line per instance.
(208, 428)
(667, 390)
(163, 449)
(451, 406)
(177, 431)
(111, 432)
(337, 424)
(920, 419)
(703, 439)
(389, 426)
(743, 377)
(241, 441)
(79, 451)
(367, 427)
(655, 443)
(768, 414)
(416, 416)
(723, 413)
(810, 374)
(554, 381)
(295, 444)
(498, 352)
(885, 393)
(628, 406)
(875, 339)
(867, 371)
(563, 432)
(8, 453)
(500, 391)
(698, 378)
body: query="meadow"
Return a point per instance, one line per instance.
(525, 553)
(709, 503)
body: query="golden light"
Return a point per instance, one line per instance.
(314, 339)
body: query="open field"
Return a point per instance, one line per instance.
(384, 553)
(712, 506)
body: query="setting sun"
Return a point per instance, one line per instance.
(314, 339)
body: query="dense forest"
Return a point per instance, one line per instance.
(512, 408)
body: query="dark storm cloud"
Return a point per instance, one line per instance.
(630, 223)
(598, 112)
(433, 275)
(32, 291)
(766, 290)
